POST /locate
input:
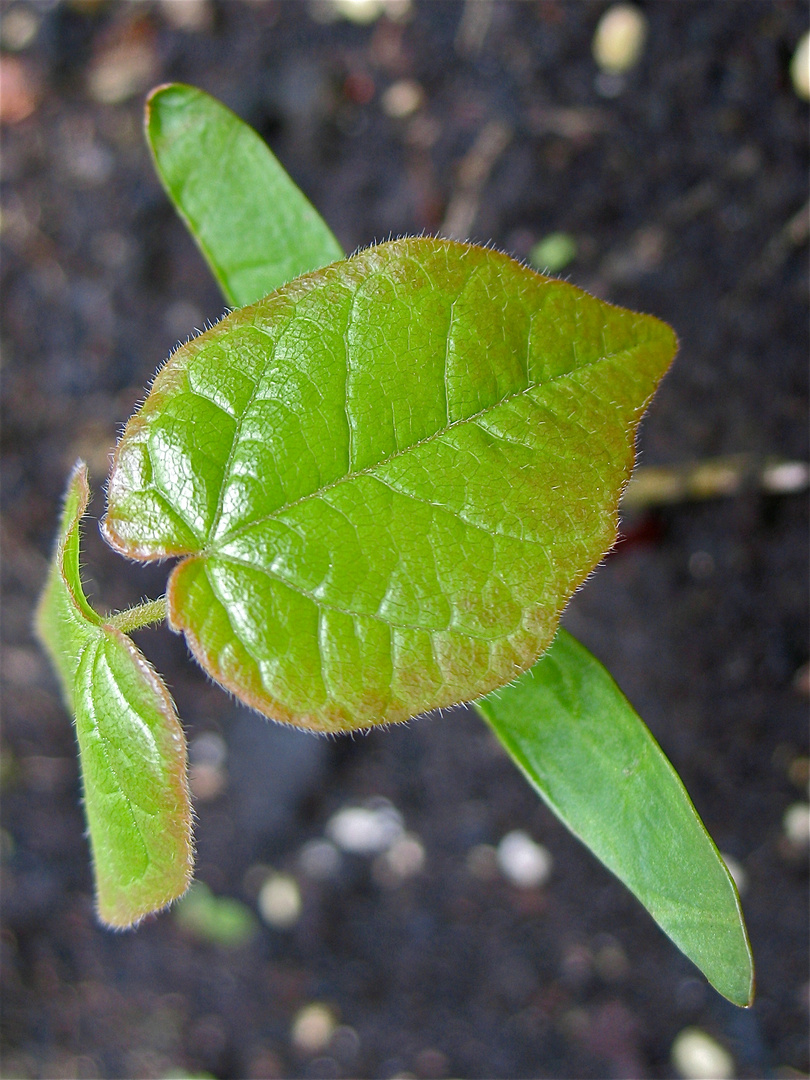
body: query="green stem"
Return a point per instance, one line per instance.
(151, 611)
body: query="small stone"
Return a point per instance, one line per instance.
(121, 72)
(523, 862)
(356, 11)
(796, 823)
(697, 1056)
(312, 1028)
(363, 12)
(800, 67)
(365, 830)
(787, 478)
(279, 901)
(619, 39)
(18, 28)
(402, 98)
(19, 93)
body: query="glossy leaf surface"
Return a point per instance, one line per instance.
(253, 225)
(131, 746)
(388, 478)
(582, 746)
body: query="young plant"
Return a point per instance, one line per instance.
(382, 479)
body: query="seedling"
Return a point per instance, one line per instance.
(381, 479)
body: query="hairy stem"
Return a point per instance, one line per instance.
(150, 611)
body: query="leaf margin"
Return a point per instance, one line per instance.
(170, 377)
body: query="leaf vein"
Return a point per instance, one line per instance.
(331, 606)
(370, 470)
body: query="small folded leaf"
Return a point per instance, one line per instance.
(583, 748)
(131, 745)
(253, 225)
(388, 478)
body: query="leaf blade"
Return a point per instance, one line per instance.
(582, 747)
(131, 745)
(389, 477)
(253, 225)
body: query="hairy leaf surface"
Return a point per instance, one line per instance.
(253, 225)
(387, 478)
(131, 746)
(581, 745)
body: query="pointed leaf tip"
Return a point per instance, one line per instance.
(582, 746)
(256, 229)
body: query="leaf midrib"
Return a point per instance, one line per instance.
(213, 549)
(103, 744)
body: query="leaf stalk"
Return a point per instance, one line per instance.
(146, 614)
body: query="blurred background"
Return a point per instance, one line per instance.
(400, 904)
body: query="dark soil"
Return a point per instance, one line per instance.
(682, 191)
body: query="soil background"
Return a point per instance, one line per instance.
(684, 186)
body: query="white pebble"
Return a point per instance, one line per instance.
(365, 830)
(121, 72)
(357, 11)
(619, 39)
(280, 901)
(402, 98)
(19, 28)
(312, 1028)
(796, 823)
(697, 1056)
(800, 67)
(787, 478)
(523, 862)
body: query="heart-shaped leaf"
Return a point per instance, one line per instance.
(131, 745)
(388, 478)
(581, 745)
(253, 225)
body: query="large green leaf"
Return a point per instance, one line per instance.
(581, 745)
(254, 226)
(131, 744)
(387, 478)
